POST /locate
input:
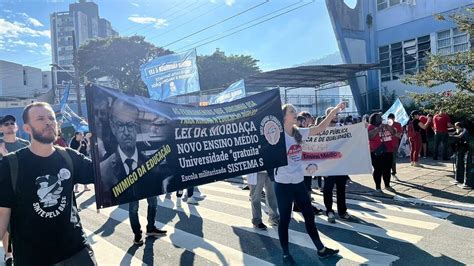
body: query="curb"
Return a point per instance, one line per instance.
(459, 206)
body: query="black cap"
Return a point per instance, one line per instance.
(7, 118)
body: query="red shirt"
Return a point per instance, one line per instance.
(441, 122)
(399, 129)
(384, 137)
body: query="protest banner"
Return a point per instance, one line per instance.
(171, 75)
(399, 111)
(337, 151)
(235, 91)
(146, 148)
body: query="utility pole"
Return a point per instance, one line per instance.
(77, 83)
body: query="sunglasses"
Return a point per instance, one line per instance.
(6, 124)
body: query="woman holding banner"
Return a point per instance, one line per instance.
(289, 181)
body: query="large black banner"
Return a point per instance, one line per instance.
(145, 148)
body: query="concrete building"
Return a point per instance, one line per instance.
(20, 81)
(397, 34)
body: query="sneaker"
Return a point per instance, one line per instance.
(168, 196)
(155, 232)
(464, 186)
(454, 182)
(137, 240)
(260, 226)
(273, 222)
(288, 260)
(378, 192)
(417, 164)
(200, 196)
(327, 252)
(178, 202)
(192, 201)
(331, 218)
(412, 163)
(8, 261)
(347, 217)
(390, 189)
(245, 187)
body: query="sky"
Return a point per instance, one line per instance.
(299, 36)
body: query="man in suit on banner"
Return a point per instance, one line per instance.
(123, 124)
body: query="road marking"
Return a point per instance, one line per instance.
(369, 205)
(108, 254)
(360, 228)
(205, 248)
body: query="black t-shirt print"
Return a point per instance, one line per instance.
(44, 224)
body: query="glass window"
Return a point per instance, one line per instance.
(452, 41)
(382, 4)
(394, 2)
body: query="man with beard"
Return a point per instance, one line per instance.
(127, 158)
(38, 201)
(10, 143)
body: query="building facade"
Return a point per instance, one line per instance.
(20, 81)
(397, 34)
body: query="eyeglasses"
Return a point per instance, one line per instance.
(121, 126)
(6, 124)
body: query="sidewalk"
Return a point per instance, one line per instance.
(430, 183)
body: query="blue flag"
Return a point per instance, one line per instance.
(171, 75)
(235, 91)
(72, 118)
(63, 101)
(398, 110)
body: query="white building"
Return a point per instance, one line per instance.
(21, 81)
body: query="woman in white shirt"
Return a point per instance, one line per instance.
(289, 185)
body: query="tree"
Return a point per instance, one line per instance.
(218, 70)
(457, 68)
(119, 58)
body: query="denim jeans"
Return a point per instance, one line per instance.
(441, 138)
(256, 193)
(151, 213)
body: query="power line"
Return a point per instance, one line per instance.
(215, 24)
(253, 25)
(238, 26)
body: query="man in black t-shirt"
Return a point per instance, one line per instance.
(10, 143)
(38, 199)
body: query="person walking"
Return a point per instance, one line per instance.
(11, 143)
(462, 149)
(414, 136)
(258, 181)
(395, 142)
(38, 199)
(340, 182)
(441, 123)
(381, 151)
(289, 182)
(188, 199)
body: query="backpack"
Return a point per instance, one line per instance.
(411, 130)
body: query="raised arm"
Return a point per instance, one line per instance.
(4, 220)
(314, 130)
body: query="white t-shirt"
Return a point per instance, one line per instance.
(293, 172)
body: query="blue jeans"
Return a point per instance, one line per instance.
(133, 215)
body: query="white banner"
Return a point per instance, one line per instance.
(338, 151)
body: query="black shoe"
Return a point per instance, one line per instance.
(9, 261)
(327, 253)
(245, 187)
(288, 260)
(155, 232)
(296, 208)
(317, 211)
(137, 240)
(260, 226)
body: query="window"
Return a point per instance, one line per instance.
(403, 58)
(452, 41)
(382, 4)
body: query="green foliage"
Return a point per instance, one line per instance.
(218, 70)
(456, 68)
(119, 58)
(459, 105)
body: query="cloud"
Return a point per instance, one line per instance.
(22, 43)
(158, 22)
(135, 4)
(31, 21)
(229, 2)
(16, 29)
(46, 49)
